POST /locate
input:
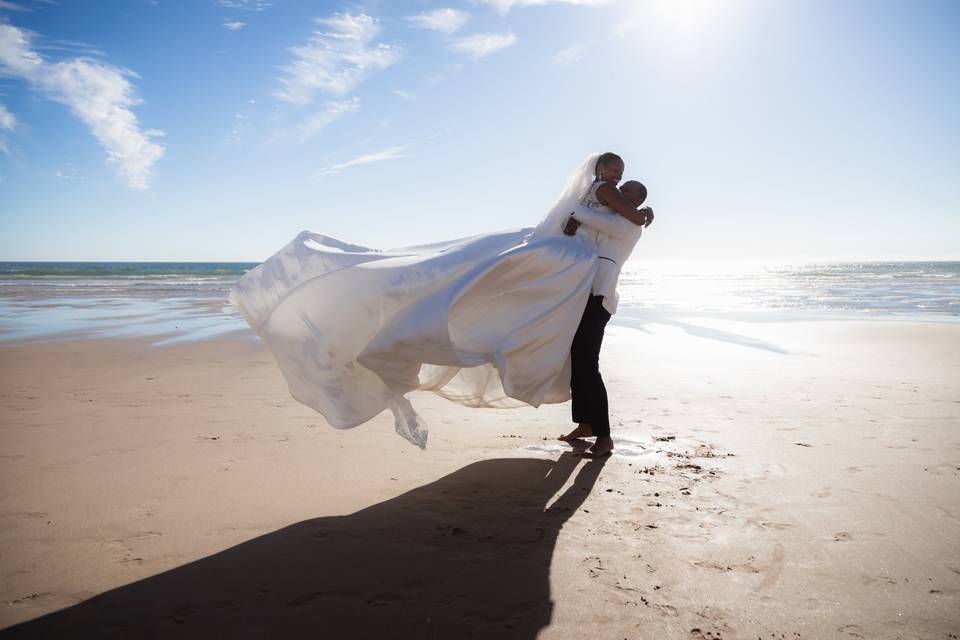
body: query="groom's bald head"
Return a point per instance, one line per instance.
(633, 191)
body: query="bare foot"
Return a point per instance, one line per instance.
(583, 430)
(602, 447)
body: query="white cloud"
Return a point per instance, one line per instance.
(7, 121)
(378, 156)
(233, 25)
(309, 127)
(569, 55)
(442, 20)
(406, 95)
(245, 5)
(97, 93)
(504, 6)
(483, 44)
(337, 60)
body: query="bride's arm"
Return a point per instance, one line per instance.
(604, 222)
(608, 195)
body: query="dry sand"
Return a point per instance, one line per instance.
(773, 480)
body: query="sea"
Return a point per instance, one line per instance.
(170, 302)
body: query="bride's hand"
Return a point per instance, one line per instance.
(648, 214)
(571, 227)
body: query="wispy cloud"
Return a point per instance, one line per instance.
(569, 55)
(406, 95)
(504, 6)
(244, 5)
(10, 6)
(481, 45)
(69, 173)
(392, 153)
(71, 46)
(234, 25)
(434, 136)
(443, 20)
(435, 78)
(7, 124)
(97, 93)
(310, 126)
(335, 60)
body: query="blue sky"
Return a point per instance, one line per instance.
(812, 130)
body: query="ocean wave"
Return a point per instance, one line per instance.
(863, 288)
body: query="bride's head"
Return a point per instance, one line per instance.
(609, 168)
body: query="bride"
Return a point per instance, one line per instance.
(485, 321)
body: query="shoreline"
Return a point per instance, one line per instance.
(171, 320)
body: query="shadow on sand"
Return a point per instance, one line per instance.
(467, 556)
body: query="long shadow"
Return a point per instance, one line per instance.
(707, 333)
(467, 556)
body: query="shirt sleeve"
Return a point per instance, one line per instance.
(612, 224)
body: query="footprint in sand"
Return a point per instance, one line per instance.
(867, 579)
(847, 536)
(945, 468)
(594, 565)
(764, 524)
(32, 599)
(25, 515)
(853, 630)
(146, 535)
(948, 513)
(131, 561)
(724, 568)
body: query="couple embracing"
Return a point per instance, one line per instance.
(611, 218)
(498, 320)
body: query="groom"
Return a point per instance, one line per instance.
(616, 237)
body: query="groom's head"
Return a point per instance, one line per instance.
(634, 192)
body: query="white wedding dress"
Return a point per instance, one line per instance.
(485, 321)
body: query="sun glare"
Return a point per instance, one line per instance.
(680, 23)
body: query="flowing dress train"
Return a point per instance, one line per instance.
(485, 321)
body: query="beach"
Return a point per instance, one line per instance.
(772, 479)
(231, 229)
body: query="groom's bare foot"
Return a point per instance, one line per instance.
(583, 430)
(602, 447)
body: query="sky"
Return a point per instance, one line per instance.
(786, 131)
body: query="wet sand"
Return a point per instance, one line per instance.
(782, 479)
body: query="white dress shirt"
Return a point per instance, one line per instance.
(615, 237)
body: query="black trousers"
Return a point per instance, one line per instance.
(586, 385)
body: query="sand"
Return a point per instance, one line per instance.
(772, 480)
